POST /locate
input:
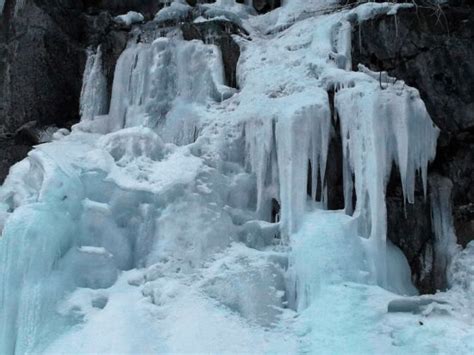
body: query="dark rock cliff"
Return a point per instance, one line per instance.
(42, 56)
(433, 51)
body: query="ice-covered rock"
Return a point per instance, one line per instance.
(129, 18)
(259, 234)
(461, 271)
(251, 285)
(176, 11)
(91, 267)
(411, 305)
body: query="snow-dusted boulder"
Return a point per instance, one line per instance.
(129, 18)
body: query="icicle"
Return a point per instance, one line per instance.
(93, 100)
(293, 143)
(295, 147)
(260, 147)
(278, 152)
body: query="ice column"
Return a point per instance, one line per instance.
(445, 246)
(94, 87)
(262, 160)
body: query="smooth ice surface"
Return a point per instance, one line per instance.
(177, 217)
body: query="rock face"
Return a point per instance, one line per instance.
(263, 6)
(147, 7)
(432, 51)
(42, 56)
(42, 60)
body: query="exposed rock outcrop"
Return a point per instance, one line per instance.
(42, 56)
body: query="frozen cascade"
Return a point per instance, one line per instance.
(152, 223)
(94, 87)
(31, 280)
(157, 84)
(100, 193)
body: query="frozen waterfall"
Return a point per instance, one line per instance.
(177, 218)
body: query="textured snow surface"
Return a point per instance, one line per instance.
(180, 221)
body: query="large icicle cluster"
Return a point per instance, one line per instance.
(382, 122)
(378, 128)
(279, 151)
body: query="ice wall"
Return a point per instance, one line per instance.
(80, 210)
(151, 78)
(33, 240)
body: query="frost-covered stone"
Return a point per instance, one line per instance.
(461, 270)
(129, 18)
(92, 267)
(255, 289)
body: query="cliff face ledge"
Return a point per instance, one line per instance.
(432, 51)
